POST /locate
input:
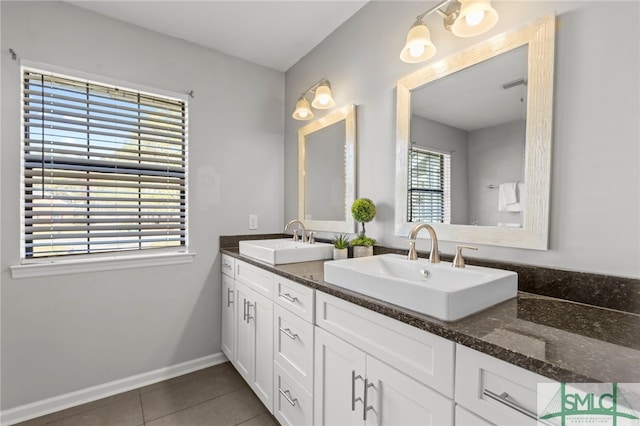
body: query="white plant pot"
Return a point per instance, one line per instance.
(362, 251)
(340, 253)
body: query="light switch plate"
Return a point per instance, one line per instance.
(253, 221)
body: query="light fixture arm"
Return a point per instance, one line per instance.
(314, 86)
(437, 9)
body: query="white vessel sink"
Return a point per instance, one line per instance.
(438, 289)
(279, 251)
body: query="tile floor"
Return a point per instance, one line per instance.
(215, 396)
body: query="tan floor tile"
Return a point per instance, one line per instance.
(265, 419)
(118, 410)
(227, 410)
(179, 395)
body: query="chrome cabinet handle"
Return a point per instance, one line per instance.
(287, 331)
(287, 296)
(366, 407)
(249, 305)
(244, 312)
(287, 396)
(229, 293)
(226, 265)
(503, 398)
(353, 389)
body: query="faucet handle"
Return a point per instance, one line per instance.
(295, 235)
(458, 260)
(312, 237)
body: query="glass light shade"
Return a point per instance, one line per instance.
(303, 110)
(418, 47)
(323, 99)
(476, 17)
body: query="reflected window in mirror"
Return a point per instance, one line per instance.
(429, 189)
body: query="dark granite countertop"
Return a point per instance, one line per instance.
(560, 339)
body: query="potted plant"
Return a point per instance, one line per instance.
(341, 247)
(362, 246)
(363, 210)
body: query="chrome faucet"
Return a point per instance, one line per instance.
(302, 228)
(434, 256)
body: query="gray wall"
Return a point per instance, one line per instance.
(69, 332)
(595, 199)
(496, 155)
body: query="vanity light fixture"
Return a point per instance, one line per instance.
(322, 100)
(464, 18)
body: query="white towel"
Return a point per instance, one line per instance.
(509, 225)
(508, 197)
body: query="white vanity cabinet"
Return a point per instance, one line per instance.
(389, 373)
(293, 352)
(313, 358)
(253, 357)
(228, 307)
(501, 393)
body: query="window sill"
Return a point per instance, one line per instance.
(63, 267)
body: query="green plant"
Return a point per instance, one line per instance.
(341, 241)
(363, 241)
(363, 210)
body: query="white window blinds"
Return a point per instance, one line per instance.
(429, 198)
(104, 168)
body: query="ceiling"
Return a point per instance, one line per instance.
(474, 98)
(275, 34)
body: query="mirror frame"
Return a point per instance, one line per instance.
(348, 114)
(534, 234)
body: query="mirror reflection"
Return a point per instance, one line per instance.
(325, 176)
(473, 141)
(326, 172)
(467, 151)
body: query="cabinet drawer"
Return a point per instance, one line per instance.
(465, 418)
(295, 297)
(421, 355)
(293, 346)
(228, 265)
(483, 382)
(255, 278)
(292, 404)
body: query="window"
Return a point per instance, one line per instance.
(104, 168)
(429, 198)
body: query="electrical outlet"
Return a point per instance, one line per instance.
(253, 221)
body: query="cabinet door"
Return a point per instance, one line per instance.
(397, 399)
(260, 312)
(293, 340)
(228, 316)
(339, 374)
(244, 334)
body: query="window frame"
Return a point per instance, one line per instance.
(444, 189)
(118, 259)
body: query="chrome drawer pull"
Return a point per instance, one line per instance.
(244, 312)
(229, 293)
(289, 297)
(287, 331)
(353, 390)
(503, 398)
(287, 396)
(249, 305)
(366, 406)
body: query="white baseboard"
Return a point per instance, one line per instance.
(93, 393)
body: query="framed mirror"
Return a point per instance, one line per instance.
(473, 140)
(326, 171)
